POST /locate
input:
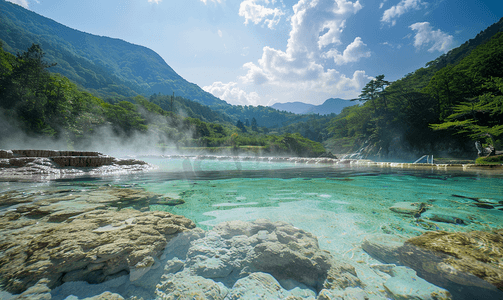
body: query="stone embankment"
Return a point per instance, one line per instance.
(54, 163)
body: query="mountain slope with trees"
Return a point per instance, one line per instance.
(441, 109)
(115, 70)
(105, 66)
(36, 105)
(330, 106)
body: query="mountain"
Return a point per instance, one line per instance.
(293, 107)
(105, 66)
(330, 106)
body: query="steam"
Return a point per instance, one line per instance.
(103, 139)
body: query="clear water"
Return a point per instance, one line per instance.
(341, 205)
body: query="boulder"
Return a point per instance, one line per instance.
(264, 286)
(447, 215)
(404, 284)
(236, 249)
(466, 263)
(409, 208)
(39, 291)
(177, 286)
(349, 294)
(383, 247)
(94, 246)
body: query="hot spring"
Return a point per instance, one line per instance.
(349, 209)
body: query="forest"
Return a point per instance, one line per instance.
(437, 109)
(40, 104)
(52, 89)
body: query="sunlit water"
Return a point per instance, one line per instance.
(341, 205)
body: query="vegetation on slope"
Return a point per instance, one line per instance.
(51, 106)
(431, 111)
(108, 68)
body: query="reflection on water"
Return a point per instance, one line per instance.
(356, 214)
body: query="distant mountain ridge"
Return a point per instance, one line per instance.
(330, 106)
(105, 66)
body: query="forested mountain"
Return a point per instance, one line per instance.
(115, 70)
(440, 109)
(36, 105)
(293, 107)
(330, 106)
(105, 66)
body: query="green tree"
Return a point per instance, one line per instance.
(254, 126)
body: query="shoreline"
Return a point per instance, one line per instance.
(336, 162)
(50, 164)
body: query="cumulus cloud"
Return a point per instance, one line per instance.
(220, 34)
(425, 35)
(315, 25)
(299, 73)
(354, 51)
(23, 3)
(232, 94)
(154, 1)
(256, 13)
(391, 14)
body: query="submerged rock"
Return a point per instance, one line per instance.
(236, 252)
(94, 246)
(177, 286)
(383, 247)
(264, 286)
(409, 208)
(469, 264)
(448, 215)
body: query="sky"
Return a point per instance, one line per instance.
(261, 52)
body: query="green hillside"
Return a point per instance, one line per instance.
(440, 109)
(39, 106)
(115, 70)
(105, 66)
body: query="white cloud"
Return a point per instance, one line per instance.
(425, 35)
(298, 73)
(220, 33)
(206, 1)
(382, 4)
(232, 94)
(246, 51)
(391, 14)
(354, 51)
(154, 1)
(23, 3)
(315, 25)
(397, 46)
(251, 11)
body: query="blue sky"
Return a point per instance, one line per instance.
(259, 52)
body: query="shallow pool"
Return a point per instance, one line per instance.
(341, 205)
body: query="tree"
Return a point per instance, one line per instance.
(254, 125)
(373, 91)
(241, 126)
(480, 119)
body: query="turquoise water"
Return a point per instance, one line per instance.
(341, 205)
